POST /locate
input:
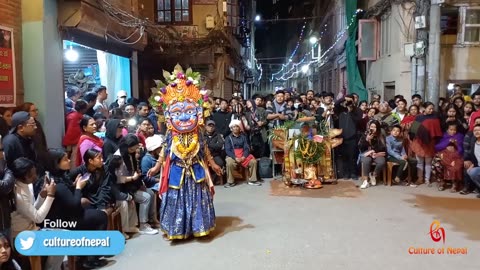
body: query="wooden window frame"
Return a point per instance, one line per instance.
(172, 10)
(375, 41)
(463, 26)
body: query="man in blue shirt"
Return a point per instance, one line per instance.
(238, 153)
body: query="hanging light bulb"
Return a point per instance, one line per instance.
(71, 55)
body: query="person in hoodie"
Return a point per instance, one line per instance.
(112, 137)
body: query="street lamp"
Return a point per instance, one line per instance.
(305, 69)
(313, 40)
(257, 18)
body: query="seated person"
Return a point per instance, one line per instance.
(67, 205)
(97, 193)
(238, 153)
(215, 143)
(373, 149)
(451, 135)
(128, 175)
(452, 164)
(29, 212)
(472, 157)
(124, 200)
(396, 152)
(154, 146)
(468, 143)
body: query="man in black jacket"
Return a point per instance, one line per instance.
(222, 119)
(215, 142)
(348, 117)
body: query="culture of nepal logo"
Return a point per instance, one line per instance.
(437, 233)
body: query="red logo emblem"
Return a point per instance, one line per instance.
(437, 233)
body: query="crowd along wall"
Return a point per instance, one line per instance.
(11, 17)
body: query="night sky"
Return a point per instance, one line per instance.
(272, 38)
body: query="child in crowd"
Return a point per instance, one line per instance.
(452, 163)
(6, 258)
(451, 135)
(396, 151)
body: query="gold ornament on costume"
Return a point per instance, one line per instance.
(185, 145)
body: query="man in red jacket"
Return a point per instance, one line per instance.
(72, 129)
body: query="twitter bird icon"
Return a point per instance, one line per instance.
(25, 241)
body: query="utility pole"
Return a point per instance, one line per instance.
(418, 60)
(434, 54)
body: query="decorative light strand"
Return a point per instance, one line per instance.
(290, 59)
(339, 36)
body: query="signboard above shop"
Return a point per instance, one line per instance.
(7, 68)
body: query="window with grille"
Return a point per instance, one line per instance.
(174, 11)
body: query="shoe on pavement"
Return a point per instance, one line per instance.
(373, 180)
(229, 185)
(256, 183)
(364, 184)
(146, 229)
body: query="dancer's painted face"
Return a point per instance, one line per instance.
(184, 116)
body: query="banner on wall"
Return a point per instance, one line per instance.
(7, 68)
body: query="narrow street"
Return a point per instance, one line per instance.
(337, 227)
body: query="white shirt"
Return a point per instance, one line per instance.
(28, 213)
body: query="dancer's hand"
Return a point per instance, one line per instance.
(212, 191)
(217, 169)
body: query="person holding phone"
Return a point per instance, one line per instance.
(28, 212)
(68, 200)
(373, 149)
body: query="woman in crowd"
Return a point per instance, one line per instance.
(425, 131)
(5, 120)
(68, 201)
(29, 212)
(112, 137)
(372, 149)
(239, 114)
(468, 109)
(459, 103)
(6, 259)
(124, 200)
(128, 174)
(452, 114)
(88, 140)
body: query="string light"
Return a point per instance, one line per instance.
(288, 75)
(290, 59)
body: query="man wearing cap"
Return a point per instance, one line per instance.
(215, 143)
(238, 153)
(18, 143)
(120, 101)
(102, 95)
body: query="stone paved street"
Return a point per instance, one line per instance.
(370, 229)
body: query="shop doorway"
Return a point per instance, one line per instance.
(87, 68)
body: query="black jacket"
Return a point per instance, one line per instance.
(469, 149)
(7, 199)
(222, 120)
(215, 144)
(376, 144)
(110, 143)
(98, 189)
(16, 146)
(67, 205)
